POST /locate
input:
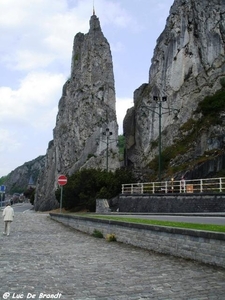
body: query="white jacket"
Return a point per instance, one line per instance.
(8, 213)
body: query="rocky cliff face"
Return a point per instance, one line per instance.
(188, 65)
(17, 181)
(86, 131)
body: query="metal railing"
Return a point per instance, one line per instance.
(209, 185)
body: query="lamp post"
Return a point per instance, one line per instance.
(160, 113)
(107, 133)
(157, 99)
(108, 141)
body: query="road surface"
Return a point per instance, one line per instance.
(216, 220)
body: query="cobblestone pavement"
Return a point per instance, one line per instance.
(43, 259)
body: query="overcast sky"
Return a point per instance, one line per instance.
(36, 39)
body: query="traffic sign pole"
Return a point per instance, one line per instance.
(61, 199)
(62, 180)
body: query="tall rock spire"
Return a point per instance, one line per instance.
(187, 65)
(93, 8)
(86, 112)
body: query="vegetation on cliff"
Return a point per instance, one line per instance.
(211, 111)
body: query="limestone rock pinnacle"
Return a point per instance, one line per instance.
(85, 111)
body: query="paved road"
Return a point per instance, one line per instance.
(208, 218)
(43, 259)
(216, 220)
(22, 207)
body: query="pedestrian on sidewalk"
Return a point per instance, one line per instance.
(8, 215)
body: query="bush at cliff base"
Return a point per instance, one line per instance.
(84, 187)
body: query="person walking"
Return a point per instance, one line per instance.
(8, 215)
(183, 184)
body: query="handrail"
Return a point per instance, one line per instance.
(212, 185)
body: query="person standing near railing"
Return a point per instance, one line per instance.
(182, 185)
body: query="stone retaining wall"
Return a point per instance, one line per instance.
(172, 203)
(206, 247)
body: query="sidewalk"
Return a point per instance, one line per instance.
(43, 259)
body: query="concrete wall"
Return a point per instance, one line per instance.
(206, 247)
(172, 203)
(102, 206)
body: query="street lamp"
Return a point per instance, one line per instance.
(108, 141)
(107, 133)
(160, 113)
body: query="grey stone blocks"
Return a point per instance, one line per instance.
(202, 246)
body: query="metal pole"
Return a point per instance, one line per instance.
(61, 199)
(160, 117)
(220, 184)
(107, 149)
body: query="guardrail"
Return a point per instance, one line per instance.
(209, 185)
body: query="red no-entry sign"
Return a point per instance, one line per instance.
(62, 180)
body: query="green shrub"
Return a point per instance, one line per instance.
(98, 234)
(212, 105)
(121, 145)
(222, 82)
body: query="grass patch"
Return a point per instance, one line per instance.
(194, 226)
